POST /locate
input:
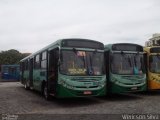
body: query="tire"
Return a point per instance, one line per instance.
(46, 93)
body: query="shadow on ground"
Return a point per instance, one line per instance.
(148, 93)
(64, 102)
(120, 97)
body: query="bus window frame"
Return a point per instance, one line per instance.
(149, 68)
(126, 52)
(71, 49)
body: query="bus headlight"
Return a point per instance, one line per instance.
(102, 85)
(64, 83)
(69, 86)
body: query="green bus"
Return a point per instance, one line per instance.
(125, 65)
(66, 68)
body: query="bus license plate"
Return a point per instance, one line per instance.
(134, 88)
(87, 92)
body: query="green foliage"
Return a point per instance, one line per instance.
(11, 56)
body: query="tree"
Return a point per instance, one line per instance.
(11, 56)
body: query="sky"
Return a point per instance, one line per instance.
(29, 25)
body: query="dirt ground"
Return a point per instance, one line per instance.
(14, 99)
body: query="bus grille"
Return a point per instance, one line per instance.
(132, 83)
(132, 78)
(86, 87)
(86, 79)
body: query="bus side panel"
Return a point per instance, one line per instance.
(118, 89)
(38, 77)
(153, 81)
(63, 92)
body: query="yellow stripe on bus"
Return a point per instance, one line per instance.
(152, 84)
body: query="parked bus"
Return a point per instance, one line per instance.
(153, 67)
(10, 72)
(66, 68)
(126, 68)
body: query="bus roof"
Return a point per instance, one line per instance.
(56, 44)
(152, 49)
(122, 47)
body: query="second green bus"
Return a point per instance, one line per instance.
(125, 68)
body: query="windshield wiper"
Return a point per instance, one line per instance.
(127, 57)
(91, 66)
(135, 61)
(83, 59)
(91, 60)
(129, 60)
(135, 56)
(158, 56)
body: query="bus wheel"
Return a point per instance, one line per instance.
(46, 93)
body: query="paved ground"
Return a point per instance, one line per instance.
(14, 99)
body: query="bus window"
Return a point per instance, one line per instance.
(82, 63)
(127, 64)
(154, 63)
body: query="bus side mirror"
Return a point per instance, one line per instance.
(129, 61)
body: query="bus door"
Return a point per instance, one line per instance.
(31, 72)
(52, 70)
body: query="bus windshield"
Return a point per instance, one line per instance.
(154, 63)
(75, 62)
(127, 64)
